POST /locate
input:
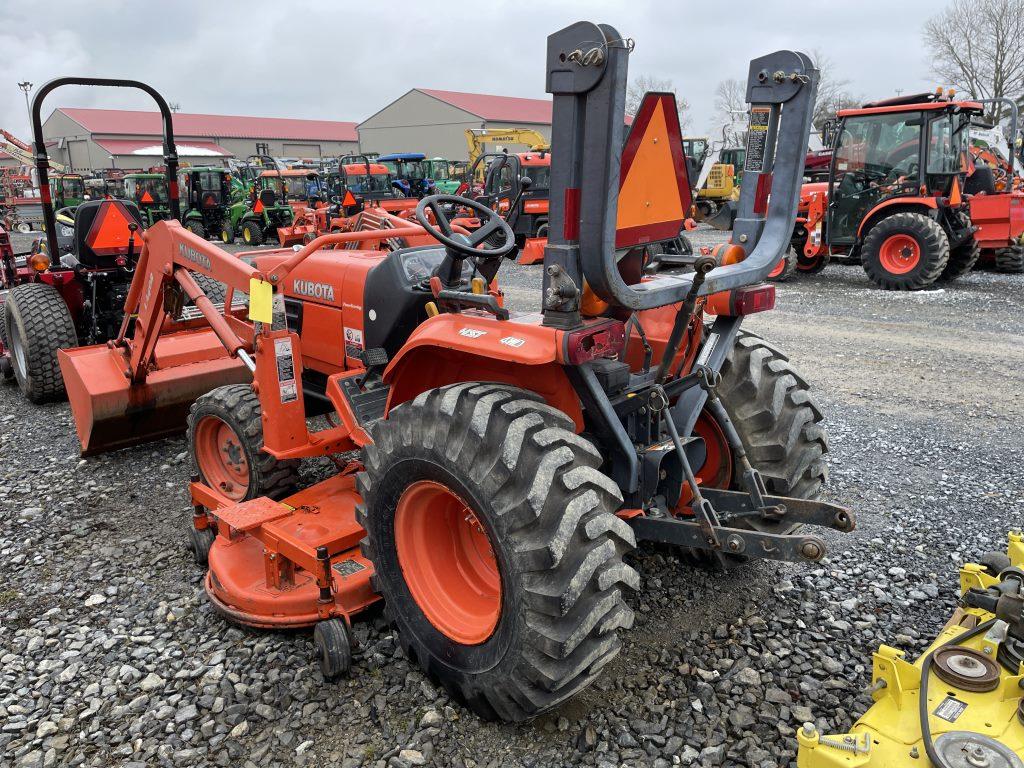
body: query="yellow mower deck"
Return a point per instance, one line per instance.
(973, 728)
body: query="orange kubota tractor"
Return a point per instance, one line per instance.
(894, 199)
(506, 463)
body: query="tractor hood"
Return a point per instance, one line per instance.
(334, 278)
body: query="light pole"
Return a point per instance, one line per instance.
(26, 86)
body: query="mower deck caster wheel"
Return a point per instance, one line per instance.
(333, 641)
(199, 543)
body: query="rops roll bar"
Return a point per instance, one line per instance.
(43, 159)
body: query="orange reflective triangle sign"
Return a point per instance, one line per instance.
(258, 208)
(955, 198)
(109, 233)
(349, 199)
(654, 190)
(146, 198)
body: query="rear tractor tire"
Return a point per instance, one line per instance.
(780, 427)
(37, 324)
(197, 228)
(1010, 260)
(785, 268)
(496, 547)
(252, 233)
(962, 258)
(225, 439)
(905, 252)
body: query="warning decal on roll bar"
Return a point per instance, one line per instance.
(286, 370)
(757, 138)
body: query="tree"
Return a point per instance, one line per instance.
(644, 83)
(730, 99)
(833, 92)
(977, 46)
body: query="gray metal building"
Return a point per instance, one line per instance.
(110, 138)
(435, 122)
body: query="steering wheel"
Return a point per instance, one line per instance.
(69, 212)
(490, 222)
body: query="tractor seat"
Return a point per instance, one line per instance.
(982, 181)
(268, 197)
(102, 233)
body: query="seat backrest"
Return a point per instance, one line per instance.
(102, 233)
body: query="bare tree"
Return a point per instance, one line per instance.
(977, 46)
(644, 83)
(730, 99)
(833, 91)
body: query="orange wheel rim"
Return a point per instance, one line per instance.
(778, 268)
(221, 458)
(448, 562)
(716, 472)
(899, 254)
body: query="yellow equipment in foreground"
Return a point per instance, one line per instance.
(969, 678)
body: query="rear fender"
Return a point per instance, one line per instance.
(463, 347)
(926, 205)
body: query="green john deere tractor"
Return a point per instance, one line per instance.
(205, 199)
(258, 217)
(149, 192)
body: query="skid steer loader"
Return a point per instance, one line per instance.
(507, 462)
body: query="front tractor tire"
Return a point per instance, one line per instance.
(962, 258)
(197, 228)
(38, 323)
(1010, 260)
(496, 546)
(785, 268)
(227, 234)
(225, 439)
(905, 252)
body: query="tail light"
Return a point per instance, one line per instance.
(603, 340)
(742, 301)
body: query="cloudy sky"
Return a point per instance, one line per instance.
(344, 60)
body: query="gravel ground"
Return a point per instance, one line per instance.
(110, 654)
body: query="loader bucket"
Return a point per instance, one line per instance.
(724, 217)
(110, 412)
(533, 251)
(295, 235)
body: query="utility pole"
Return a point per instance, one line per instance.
(26, 86)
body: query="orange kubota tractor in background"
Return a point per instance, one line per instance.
(894, 199)
(996, 197)
(506, 462)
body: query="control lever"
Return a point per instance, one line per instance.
(701, 267)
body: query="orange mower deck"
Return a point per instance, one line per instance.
(291, 563)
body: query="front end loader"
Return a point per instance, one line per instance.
(506, 463)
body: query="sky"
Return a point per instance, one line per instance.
(344, 60)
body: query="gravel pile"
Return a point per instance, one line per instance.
(110, 654)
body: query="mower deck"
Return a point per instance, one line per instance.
(269, 562)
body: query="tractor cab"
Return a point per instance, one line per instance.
(440, 170)
(505, 186)
(886, 151)
(205, 195)
(893, 200)
(411, 173)
(355, 184)
(149, 191)
(68, 190)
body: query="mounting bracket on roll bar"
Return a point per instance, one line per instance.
(587, 66)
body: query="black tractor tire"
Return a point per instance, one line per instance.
(542, 228)
(252, 233)
(227, 234)
(38, 323)
(238, 407)
(779, 423)
(215, 290)
(932, 243)
(789, 260)
(6, 366)
(780, 426)
(962, 258)
(534, 487)
(1010, 260)
(197, 228)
